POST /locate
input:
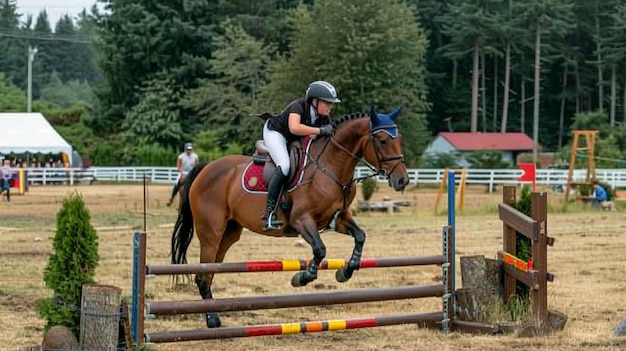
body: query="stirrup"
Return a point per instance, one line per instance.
(271, 222)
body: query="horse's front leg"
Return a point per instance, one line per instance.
(347, 225)
(308, 230)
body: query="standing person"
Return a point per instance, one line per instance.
(5, 177)
(297, 120)
(184, 164)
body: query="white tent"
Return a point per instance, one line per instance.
(30, 133)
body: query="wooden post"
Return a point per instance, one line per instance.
(508, 242)
(100, 317)
(539, 293)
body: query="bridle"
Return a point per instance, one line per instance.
(380, 160)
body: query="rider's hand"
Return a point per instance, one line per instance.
(326, 130)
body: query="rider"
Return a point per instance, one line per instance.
(300, 118)
(184, 164)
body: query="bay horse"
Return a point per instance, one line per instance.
(217, 205)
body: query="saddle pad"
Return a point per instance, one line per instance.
(252, 179)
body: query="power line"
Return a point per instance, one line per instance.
(70, 39)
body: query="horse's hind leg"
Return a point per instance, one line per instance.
(308, 230)
(213, 251)
(347, 225)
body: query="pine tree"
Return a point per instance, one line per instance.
(72, 264)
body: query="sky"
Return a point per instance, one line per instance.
(55, 8)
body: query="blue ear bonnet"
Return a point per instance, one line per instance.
(381, 122)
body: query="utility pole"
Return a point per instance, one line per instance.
(29, 98)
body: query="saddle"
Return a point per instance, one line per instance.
(261, 157)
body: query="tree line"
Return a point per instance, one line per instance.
(132, 83)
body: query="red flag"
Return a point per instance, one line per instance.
(529, 172)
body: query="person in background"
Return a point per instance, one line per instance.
(600, 198)
(185, 162)
(5, 177)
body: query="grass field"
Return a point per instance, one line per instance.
(588, 259)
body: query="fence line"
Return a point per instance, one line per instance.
(555, 178)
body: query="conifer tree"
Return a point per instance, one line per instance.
(71, 265)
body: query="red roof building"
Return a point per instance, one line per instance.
(489, 141)
(462, 144)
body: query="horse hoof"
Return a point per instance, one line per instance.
(213, 320)
(342, 275)
(299, 279)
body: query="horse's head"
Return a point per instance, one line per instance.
(384, 151)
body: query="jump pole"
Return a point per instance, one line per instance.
(289, 265)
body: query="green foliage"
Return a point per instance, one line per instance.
(66, 95)
(109, 153)
(522, 243)
(151, 155)
(12, 99)
(228, 102)
(71, 265)
(207, 147)
(148, 40)
(368, 187)
(156, 118)
(487, 160)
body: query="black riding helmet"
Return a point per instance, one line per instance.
(322, 90)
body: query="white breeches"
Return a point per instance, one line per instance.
(277, 148)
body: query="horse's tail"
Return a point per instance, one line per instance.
(183, 230)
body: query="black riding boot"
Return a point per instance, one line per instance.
(174, 191)
(273, 193)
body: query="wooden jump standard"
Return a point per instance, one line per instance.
(444, 318)
(533, 273)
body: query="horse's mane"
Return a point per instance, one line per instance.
(348, 118)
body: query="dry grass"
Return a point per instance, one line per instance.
(588, 260)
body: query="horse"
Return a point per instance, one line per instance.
(217, 203)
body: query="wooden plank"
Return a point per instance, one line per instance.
(475, 327)
(529, 278)
(508, 243)
(519, 221)
(539, 296)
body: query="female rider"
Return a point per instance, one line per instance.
(299, 119)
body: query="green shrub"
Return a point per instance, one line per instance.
(523, 244)
(71, 265)
(368, 186)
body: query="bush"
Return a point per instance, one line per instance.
(71, 265)
(369, 187)
(522, 243)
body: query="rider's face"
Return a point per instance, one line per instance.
(324, 107)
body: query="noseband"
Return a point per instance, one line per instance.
(380, 158)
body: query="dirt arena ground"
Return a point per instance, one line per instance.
(588, 259)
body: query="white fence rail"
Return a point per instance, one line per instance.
(554, 178)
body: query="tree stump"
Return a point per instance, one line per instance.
(100, 317)
(481, 285)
